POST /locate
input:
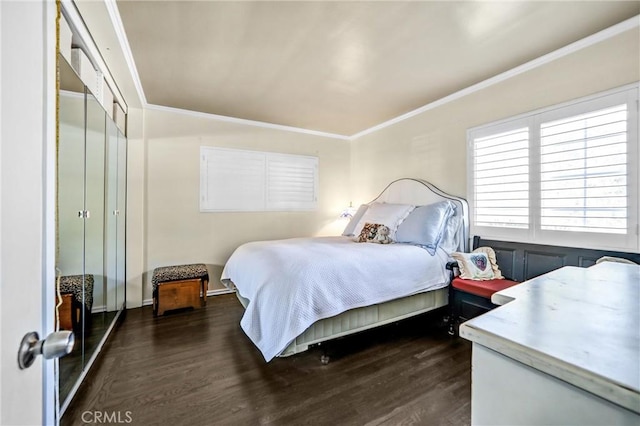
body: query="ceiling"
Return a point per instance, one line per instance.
(341, 67)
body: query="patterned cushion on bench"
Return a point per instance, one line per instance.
(72, 284)
(481, 288)
(179, 272)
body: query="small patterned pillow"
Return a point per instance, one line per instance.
(480, 264)
(369, 232)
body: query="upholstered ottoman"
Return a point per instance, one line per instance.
(179, 286)
(77, 300)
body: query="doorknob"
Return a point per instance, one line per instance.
(57, 344)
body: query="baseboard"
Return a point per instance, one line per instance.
(98, 309)
(219, 291)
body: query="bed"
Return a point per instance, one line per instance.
(300, 292)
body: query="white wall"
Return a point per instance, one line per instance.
(432, 145)
(136, 172)
(175, 230)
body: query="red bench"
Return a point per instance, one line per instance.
(484, 289)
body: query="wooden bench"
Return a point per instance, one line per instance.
(518, 262)
(179, 286)
(76, 292)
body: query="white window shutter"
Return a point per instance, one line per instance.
(233, 180)
(501, 179)
(583, 172)
(292, 182)
(241, 180)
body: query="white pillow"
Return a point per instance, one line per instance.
(353, 222)
(387, 214)
(451, 236)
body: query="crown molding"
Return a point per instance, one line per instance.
(245, 122)
(116, 20)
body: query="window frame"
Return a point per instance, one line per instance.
(630, 241)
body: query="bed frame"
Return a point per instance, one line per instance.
(402, 191)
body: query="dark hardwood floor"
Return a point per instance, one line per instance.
(198, 368)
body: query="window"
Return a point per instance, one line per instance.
(565, 175)
(239, 180)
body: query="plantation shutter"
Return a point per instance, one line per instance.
(583, 172)
(232, 180)
(501, 179)
(292, 182)
(241, 180)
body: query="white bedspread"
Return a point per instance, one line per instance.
(290, 284)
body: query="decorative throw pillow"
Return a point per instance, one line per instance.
(497, 274)
(369, 232)
(479, 265)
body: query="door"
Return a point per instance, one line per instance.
(27, 205)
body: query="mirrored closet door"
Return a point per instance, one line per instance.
(91, 195)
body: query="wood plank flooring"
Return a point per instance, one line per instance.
(199, 368)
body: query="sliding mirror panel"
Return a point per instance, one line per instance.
(111, 213)
(94, 253)
(91, 193)
(70, 242)
(115, 218)
(121, 222)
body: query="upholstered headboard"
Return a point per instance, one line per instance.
(420, 192)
